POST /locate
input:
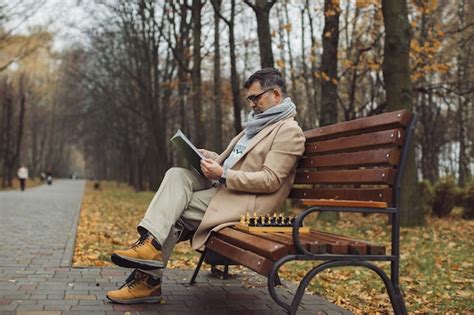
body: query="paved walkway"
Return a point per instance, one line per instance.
(37, 232)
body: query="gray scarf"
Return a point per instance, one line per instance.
(256, 122)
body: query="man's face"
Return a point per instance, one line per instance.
(261, 99)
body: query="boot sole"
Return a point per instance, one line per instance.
(129, 262)
(136, 301)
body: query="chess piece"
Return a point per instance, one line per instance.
(280, 220)
(273, 220)
(251, 221)
(292, 220)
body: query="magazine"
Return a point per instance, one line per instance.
(188, 150)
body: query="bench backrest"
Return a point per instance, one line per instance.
(356, 160)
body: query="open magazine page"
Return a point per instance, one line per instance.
(188, 150)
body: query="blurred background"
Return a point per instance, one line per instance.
(96, 89)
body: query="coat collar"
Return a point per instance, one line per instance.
(256, 139)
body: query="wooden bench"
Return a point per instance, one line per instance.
(353, 166)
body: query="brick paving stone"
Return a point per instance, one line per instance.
(80, 297)
(36, 277)
(92, 302)
(57, 307)
(21, 308)
(55, 296)
(38, 313)
(38, 296)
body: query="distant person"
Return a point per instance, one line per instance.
(49, 176)
(22, 176)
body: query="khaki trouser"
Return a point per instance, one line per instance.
(176, 209)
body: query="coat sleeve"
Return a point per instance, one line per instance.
(287, 147)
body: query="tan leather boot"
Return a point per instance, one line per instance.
(140, 288)
(142, 255)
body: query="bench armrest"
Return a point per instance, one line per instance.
(350, 209)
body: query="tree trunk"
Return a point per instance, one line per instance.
(196, 74)
(7, 136)
(262, 12)
(329, 63)
(329, 77)
(464, 102)
(293, 91)
(217, 121)
(305, 117)
(396, 73)
(313, 100)
(281, 63)
(234, 78)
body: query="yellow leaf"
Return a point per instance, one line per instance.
(280, 63)
(325, 76)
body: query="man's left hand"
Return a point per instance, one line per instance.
(211, 169)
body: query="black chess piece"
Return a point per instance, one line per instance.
(252, 221)
(273, 220)
(292, 220)
(279, 220)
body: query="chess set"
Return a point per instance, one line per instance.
(269, 223)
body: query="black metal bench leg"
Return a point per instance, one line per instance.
(399, 300)
(225, 276)
(277, 280)
(196, 271)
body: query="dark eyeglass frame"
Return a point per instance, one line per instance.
(256, 97)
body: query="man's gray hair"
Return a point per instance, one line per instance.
(268, 78)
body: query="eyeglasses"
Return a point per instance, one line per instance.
(256, 97)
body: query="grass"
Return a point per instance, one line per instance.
(437, 269)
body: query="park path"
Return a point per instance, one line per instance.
(37, 233)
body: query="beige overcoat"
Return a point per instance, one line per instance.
(259, 181)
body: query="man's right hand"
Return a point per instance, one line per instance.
(208, 154)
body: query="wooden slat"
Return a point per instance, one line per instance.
(395, 119)
(318, 247)
(372, 248)
(246, 258)
(362, 176)
(361, 158)
(307, 245)
(367, 194)
(355, 247)
(368, 140)
(345, 203)
(278, 239)
(313, 246)
(332, 246)
(258, 245)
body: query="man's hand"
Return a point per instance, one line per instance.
(211, 169)
(204, 152)
(208, 154)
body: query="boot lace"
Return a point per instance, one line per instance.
(140, 242)
(139, 278)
